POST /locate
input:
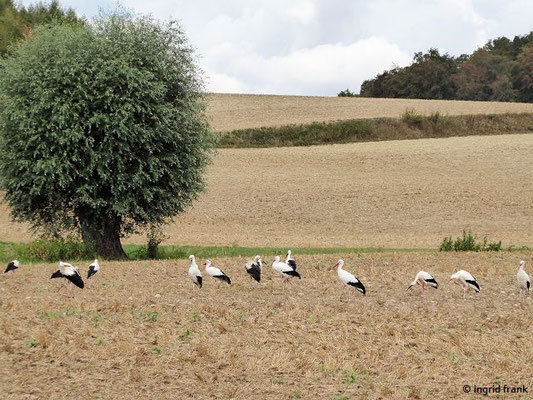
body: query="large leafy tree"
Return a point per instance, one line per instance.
(103, 128)
(18, 22)
(486, 75)
(12, 27)
(500, 71)
(428, 77)
(524, 74)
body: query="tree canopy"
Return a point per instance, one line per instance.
(498, 71)
(18, 22)
(103, 128)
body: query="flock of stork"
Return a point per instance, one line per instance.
(287, 269)
(68, 271)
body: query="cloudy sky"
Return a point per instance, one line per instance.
(319, 47)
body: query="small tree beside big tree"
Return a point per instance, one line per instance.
(102, 128)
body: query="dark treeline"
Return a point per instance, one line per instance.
(17, 22)
(502, 70)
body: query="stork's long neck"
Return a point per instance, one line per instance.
(522, 266)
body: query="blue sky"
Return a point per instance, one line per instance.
(319, 47)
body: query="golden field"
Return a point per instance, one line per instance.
(241, 111)
(392, 194)
(142, 331)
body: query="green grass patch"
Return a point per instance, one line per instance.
(22, 252)
(183, 252)
(135, 252)
(468, 242)
(184, 336)
(410, 125)
(353, 377)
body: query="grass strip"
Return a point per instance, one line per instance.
(410, 125)
(24, 253)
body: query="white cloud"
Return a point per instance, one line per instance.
(221, 83)
(319, 47)
(323, 69)
(303, 12)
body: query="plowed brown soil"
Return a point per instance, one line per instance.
(392, 194)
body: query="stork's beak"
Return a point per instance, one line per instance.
(409, 287)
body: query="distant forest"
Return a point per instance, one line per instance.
(501, 70)
(17, 22)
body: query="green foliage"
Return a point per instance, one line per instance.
(347, 93)
(454, 357)
(12, 27)
(103, 128)
(412, 118)
(47, 13)
(410, 125)
(31, 342)
(354, 377)
(241, 316)
(184, 336)
(151, 316)
(59, 249)
(447, 244)
(155, 237)
(195, 315)
(18, 22)
(524, 74)
(428, 77)
(468, 242)
(502, 70)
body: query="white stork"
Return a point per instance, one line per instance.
(348, 279)
(467, 280)
(524, 283)
(284, 269)
(290, 261)
(12, 266)
(424, 279)
(194, 272)
(93, 268)
(216, 273)
(254, 268)
(71, 273)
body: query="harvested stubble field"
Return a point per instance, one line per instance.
(141, 331)
(241, 111)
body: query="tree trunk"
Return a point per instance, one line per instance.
(104, 238)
